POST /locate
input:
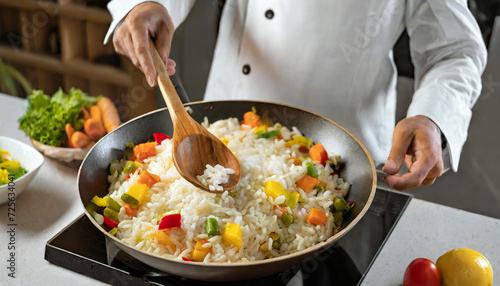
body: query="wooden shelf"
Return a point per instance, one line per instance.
(76, 67)
(57, 44)
(70, 10)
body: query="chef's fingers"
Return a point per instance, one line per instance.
(428, 181)
(402, 138)
(416, 174)
(171, 66)
(140, 39)
(162, 35)
(131, 53)
(424, 158)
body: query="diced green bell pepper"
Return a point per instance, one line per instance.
(111, 214)
(128, 199)
(112, 204)
(311, 170)
(270, 134)
(212, 227)
(130, 166)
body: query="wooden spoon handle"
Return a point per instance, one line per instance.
(174, 104)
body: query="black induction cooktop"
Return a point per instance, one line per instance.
(82, 248)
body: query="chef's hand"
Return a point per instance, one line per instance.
(416, 140)
(132, 38)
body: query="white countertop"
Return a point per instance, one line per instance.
(51, 202)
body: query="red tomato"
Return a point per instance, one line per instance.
(422, 272)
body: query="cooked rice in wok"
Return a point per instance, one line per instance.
(248, 205)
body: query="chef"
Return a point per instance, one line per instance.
(335, 58)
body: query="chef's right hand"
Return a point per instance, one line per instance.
(146, 20)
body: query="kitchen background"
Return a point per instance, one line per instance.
(51, 44)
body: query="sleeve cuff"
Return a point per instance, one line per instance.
(450, 115)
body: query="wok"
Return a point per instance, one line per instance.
(358, 170)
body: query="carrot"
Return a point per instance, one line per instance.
(307, 183)
(281, 209)
(148, 178)
(252, 119)
(69, 132)
(79, 140)
(94, 129)
(318, 154)
(316, 217)
(145, 150)
(84, 113)
(130, 210)
(296, 161)
(110, 116)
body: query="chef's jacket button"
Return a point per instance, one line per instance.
(269, 14)
(246, 69)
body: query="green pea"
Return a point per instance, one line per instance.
(287, 219)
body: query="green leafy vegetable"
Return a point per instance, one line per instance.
(46, 116)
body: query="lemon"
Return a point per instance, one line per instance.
(464, 267)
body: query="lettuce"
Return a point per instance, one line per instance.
(46, 116)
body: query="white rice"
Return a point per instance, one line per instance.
(215, 176)
(247, 204)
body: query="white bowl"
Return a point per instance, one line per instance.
(29, 158)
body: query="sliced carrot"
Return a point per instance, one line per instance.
(145, 150)
(94, 129)
(79, 140)
(149, 179)
(318, 153)
(110, 116)
(130, 210)
(307, 183)
(252, 119)
(316, 217)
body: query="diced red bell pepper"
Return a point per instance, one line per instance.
(187, 259)
(109, 222)
(159, 137)
(170, 221)
(303, 149)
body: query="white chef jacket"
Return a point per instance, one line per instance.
(334, 58)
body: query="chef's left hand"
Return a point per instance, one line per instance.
(417, 141)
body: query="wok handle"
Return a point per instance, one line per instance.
(176, 81)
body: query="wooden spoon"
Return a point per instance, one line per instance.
(193, 146)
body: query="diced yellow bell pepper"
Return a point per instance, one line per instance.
(293, 200)
(138, 192)
(225, 141)
(301, 141)
(102, 202)
(231, 235)
(275, 189)
(11, 164)
(199, 251)
(162, 238)
(259, 130)
(4, 176)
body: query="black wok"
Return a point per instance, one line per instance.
(358, 170)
